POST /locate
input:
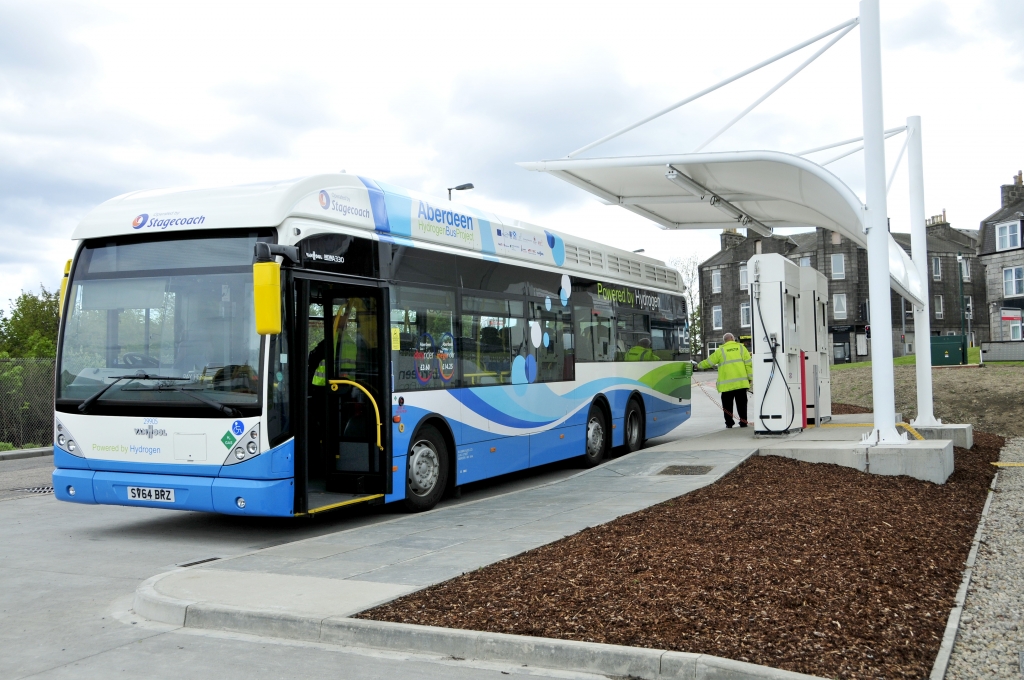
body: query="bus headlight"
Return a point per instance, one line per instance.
(240, 502)
(239, 453)
(71, 490)
(251, 447)
(72, 445)
(61, 440)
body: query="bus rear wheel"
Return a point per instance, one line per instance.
(426, 472)
(597, 437)
(634, 427)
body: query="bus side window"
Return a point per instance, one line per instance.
(424, 354)
(554, 353)
(593, 337)
(493, 334)
(630, 329)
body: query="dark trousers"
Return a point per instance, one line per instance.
(740, 398)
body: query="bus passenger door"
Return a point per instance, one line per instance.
(356, 446)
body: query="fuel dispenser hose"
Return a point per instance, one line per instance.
(774, 347)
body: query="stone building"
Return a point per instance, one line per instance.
(1002, 257)
(726, 304)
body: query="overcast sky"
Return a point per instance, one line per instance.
(101, 98)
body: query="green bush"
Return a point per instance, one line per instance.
(6, 446)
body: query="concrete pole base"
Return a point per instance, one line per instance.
(961, 435)
(930, 460)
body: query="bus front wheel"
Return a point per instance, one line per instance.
(597, 437)
(426, 472)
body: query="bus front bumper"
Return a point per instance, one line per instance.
(268, 498)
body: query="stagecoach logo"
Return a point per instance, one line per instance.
(165, 220)
(150, 431)
(325, 200)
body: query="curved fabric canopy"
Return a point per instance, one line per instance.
(757, 190)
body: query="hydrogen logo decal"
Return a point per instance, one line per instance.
(325, 200)
(140, 221)
(238, 427)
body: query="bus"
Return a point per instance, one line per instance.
(287, 348)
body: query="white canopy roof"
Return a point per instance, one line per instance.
(758, 190)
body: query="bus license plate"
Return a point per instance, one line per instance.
(141, 493)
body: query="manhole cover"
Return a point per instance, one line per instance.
(38, 489)
(687, 470)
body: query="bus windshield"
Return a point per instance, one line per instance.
(179, 311)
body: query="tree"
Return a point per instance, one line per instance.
(689, 273)
(31, 329)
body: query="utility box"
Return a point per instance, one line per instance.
(949, 350)
(814, 343)
(775, 344)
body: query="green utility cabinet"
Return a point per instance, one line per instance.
(949, 350)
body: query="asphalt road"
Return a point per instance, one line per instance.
(68, 573)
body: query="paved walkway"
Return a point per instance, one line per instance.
(343, 573)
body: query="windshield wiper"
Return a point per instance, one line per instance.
(223, 408)
(139, 375)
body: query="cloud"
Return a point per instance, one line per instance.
(1005, 18)
(929, 26)
(486, 122)
(269, 117)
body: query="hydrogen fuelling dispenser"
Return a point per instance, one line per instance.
(775, 345)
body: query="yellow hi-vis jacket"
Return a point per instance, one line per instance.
(735, 368)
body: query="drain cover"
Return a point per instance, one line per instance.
(687, 470)
(38, 489)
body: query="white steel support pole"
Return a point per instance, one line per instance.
(876, 224)
(919, 248)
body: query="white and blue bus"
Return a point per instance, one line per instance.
(283, 349)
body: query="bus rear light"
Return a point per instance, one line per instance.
(396, 419)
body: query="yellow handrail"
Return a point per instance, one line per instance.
(376, 411)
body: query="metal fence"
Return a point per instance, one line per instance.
(26, 403)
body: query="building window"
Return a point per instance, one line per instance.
(838, 266)
(716, 317)
(745, 314)
(936, 269)
(937, 306)
(805, 261)
(839, 306)
(1013, 281)
(716, 280)
(1015, 330)
(757, 247)
(965, 268)
(836, 239)
(712, 346)
(743, 277)
(1007, 235)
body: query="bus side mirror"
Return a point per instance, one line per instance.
(266, 285)
(266, 296)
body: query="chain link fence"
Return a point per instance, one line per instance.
(26, 403)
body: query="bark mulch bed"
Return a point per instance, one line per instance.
(812, 568)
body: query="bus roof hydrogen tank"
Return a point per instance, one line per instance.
(287, 348)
